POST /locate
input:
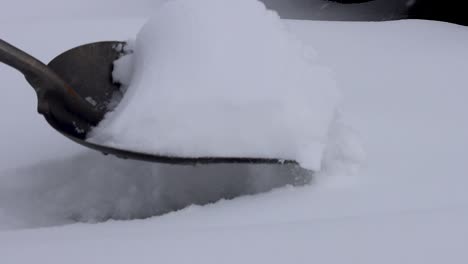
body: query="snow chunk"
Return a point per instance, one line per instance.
(221, 78)
(123, 66)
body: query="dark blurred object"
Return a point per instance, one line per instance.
(340, 10)
(350, 1)
(455, 11)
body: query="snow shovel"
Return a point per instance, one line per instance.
(74, 91)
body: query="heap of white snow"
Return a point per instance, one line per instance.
(222, 78)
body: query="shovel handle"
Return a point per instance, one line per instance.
(29, 66)
(46, 83)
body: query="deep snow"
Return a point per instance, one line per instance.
(207, 84)
(404, 87)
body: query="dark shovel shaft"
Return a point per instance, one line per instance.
(48, 86)
(20, 60)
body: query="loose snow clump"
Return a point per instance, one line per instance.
(222, 78)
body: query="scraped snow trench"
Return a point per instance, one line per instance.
(92, 187)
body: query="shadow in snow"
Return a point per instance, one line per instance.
(91, 187)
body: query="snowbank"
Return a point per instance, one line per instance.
(208, 84)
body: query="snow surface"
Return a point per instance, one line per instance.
(208, 84)
(404, 85)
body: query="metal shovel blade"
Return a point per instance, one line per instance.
(74, 91)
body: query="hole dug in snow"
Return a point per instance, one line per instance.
(93, 188)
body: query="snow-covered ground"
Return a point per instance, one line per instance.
(404, 86)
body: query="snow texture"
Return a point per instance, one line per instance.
(208, 84)
(404, 86)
